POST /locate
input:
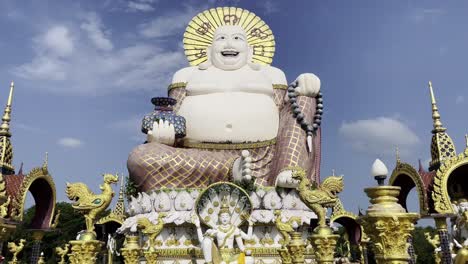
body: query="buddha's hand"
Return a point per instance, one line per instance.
(285, 180)
(163, 132)
(308, 84)
(241, 170)
(196, 220)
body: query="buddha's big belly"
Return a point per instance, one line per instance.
(230, 117)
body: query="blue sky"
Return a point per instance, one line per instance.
(85, 72)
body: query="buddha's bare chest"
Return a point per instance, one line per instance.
(206, 82)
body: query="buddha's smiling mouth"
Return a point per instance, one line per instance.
(229, 53)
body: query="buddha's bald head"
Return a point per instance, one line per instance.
(229, 49)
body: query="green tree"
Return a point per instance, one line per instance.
(424, 250)
(71, 222)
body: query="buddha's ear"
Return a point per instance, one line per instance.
(251, 53)
(254, 66)
(206, 64)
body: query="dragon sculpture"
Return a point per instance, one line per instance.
(16, 249)
(285, 228)
(319, 197)
(91, 204)
(151, 230)
(62, 252)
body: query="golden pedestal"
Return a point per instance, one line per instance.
(151, 256)
(84, 251)
(285, 256)
(388, 225)
(323, 242)
(296, 248)
(131, 252)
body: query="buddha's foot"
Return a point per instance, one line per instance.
(241, 169)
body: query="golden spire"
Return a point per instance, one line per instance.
(5, 127)
(120, 205)
(435, 113)
(6, 149)
(442, 146)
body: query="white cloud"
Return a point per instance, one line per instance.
(80, 59)
(140, 6)
(56, 41)
(167, 25)
(460, 99)
(70, 142)
(93, 26)
(379, 136)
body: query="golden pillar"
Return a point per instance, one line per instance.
(131, 252)
(84, 251)
(324, 241)
(296, 248)
(442, 231)
(386, 222)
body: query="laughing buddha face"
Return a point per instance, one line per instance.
(230, 49)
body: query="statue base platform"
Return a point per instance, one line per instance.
(84, 251)
(178, 240)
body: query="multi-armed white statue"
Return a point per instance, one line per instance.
(220, 239)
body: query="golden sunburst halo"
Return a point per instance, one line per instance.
(199, 33)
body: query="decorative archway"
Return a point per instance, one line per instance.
(42, 187)
(449, 181)
(348, 221)
(407, 178)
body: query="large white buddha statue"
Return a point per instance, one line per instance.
(239, 118)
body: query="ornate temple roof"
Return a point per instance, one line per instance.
(442, 146)
(432, 186)
(15, 186)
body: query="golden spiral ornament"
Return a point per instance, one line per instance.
(199, 33)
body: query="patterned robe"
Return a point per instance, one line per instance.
(153, 166)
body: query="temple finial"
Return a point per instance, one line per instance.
(121, 192)
(5, 127)
(333, 172)
(397, 153)
(435, 113)
(45, 166)
(466, 140)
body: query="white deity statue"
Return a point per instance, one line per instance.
(460, 226)
(218, 242)
(242, 122)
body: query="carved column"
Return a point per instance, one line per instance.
(388, 225)
(411, 251)
(296, 248)
(323, 242)
(441, 225)
(36, 248)
(84, 251)
(131, 252)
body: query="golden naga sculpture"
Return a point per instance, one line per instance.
(91, 204)
(150, 229)
(435, 242)
(4, 208)
(56, 219)
(62, 252)
(16, 249)
(285, 228)
(318, 197)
